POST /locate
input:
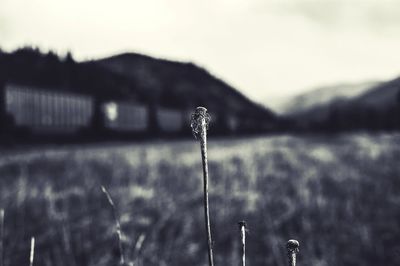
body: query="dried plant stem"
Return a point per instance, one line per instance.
(199, 125)
(117, 224)
(32, 253)
(292, 247)
(203, 145)
(242, 229)
(2, 237)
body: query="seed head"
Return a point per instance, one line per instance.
(242, 224)
(197, 119)
(293, 246)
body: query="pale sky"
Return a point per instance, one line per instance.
(267, 49)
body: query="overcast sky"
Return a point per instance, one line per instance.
(266, 49)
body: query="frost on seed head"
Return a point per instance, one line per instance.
(197, 119)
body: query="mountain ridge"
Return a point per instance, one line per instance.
(172, 77)
(325, 95)
(374, 106)
(137, 78)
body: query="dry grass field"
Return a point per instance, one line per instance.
(338, 195)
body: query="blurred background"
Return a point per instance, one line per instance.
(304, 98)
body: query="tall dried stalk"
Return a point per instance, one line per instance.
(117, 225)
(292, 247)
(32, 253)
(199, 124)
(2, 237)
(242, 229)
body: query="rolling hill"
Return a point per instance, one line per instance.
(137, 78)
(381, 96)
(326, 95)
(182, 85)
(370, 105)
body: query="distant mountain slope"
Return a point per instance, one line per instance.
(30, 67)
(138, 78)
(381, 96)
(180, 84)
(324, 96)
(376, 107)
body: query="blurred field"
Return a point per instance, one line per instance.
(339, 196)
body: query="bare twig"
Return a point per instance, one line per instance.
(292, 247)
(199, 124)
(2, 237)
(32, 253)
(242, 229)
(117, 224)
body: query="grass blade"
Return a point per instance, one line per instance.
(117, 224)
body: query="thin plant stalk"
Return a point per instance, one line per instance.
(242, 229)
(2, 237)
(292, 247)
(32, 253)
(199, 124)
(117, 225)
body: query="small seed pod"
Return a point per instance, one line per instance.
(292, 247)
(199, 122)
